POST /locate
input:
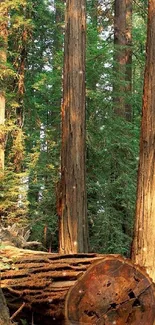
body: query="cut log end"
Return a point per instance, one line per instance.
(112, 291)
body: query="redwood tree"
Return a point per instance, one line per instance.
(122, 57)
(143, 250)
(119, 55)
(72, 193)
(128, 72)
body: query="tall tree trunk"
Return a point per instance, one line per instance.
(143, 250)
(21, 77)
(123, 58)
(18, 134)
(3, 58)
(57, 65)
(119, 56)
(128, 76)
(72, 203)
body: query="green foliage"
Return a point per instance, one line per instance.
(32, 169)
(112, 142)
(139, 44)
(114, 155)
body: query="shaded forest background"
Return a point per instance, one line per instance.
(32, 81)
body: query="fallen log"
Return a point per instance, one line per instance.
(41, 281)
(112, 291)
(35, 285)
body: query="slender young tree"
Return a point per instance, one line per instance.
(143, 251)
(3, 58)
(4, 315)
(72, 202)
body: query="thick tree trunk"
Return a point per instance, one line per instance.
(72, 194)
(37, 283)
(143, 250)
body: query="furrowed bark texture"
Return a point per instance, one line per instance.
(72, 196)
(143, 250)
(41, 281)
(36, 283)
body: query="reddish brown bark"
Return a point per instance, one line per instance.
(72, 195)
(112, 291)
(37, 283)
(119, 56)
(123, 58)
(128, 73)
(41, 281)
(143, 251)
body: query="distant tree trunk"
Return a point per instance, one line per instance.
(143, 250)
(18, 134)
(119, 56)
(21, 77)
(3, 57)
(128, 72)
(94, 21)
(122, 58)
(72, 195)
(57, 66)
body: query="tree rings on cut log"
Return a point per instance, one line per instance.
(112, 292)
